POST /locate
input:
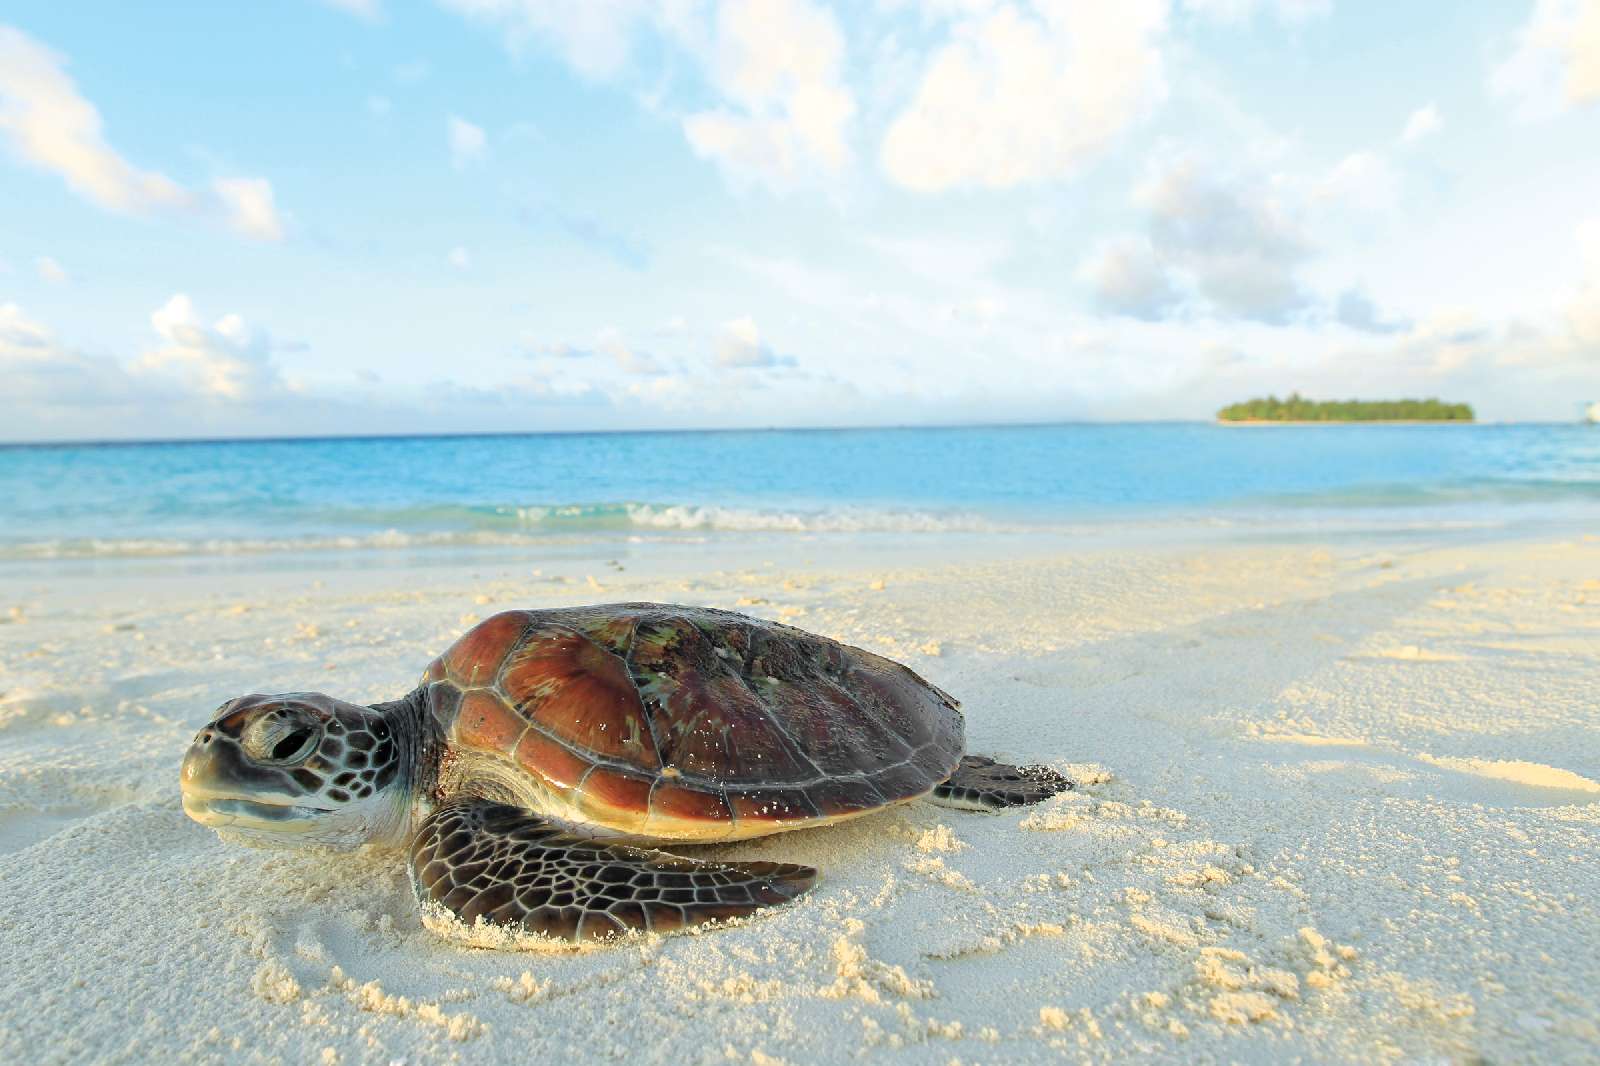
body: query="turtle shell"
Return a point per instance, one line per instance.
(687, 723)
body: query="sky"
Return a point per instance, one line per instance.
(381, 216)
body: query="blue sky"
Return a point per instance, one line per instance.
(480, 215)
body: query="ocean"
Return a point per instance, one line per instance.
(245, 498)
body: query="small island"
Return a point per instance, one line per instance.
(1297, 408)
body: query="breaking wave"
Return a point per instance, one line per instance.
(508, 526)
(687, 517)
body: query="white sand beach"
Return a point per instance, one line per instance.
(1335, 803)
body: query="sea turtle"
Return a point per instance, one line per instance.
(536, 764)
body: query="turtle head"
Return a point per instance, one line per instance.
(298, 768)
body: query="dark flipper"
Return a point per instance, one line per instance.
(981, 784)
(504, 866)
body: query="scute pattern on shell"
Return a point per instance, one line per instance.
(687, 713)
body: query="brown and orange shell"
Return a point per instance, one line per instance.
(693, 723)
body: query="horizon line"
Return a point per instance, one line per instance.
(311, 438)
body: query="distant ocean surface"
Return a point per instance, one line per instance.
(356, 495)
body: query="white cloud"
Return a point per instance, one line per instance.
(740, 345)
(778, 63)
(1128, 278)
(459, 258)
(595, 35)
(227, 360)
(49, 383)
(50, 270)
(51, 125)
(980, 310)
(629, 360)
(1582, 312)
(1537, 367)
(1016, 97)
(1424, 122)
(1356, 310)
(1446, 341)
(531, 345)
(1556, 62)
(1244, 10)
(1018, 92)
(609, 343)
(18, 331)
(1237, 241)
(250, 207)
(379, 106)
(1236, 245)
(468, 143)
(1362, 180)
(219, 379)
(193, 367)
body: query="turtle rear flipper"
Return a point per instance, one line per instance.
(981, 784)
(489, 863)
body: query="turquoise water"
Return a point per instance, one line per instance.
(373, 494)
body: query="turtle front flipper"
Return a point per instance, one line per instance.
(475, 863)
(981, 784)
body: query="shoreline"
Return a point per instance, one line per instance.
(927, 533)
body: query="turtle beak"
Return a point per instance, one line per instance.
(223, 789)
(213, 765)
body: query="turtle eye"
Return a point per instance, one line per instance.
(280, 736)
(290, 746)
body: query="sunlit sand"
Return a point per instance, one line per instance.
(1334, 802)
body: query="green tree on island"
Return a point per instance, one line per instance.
(1297, 408)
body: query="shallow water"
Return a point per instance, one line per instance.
(366, 494)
